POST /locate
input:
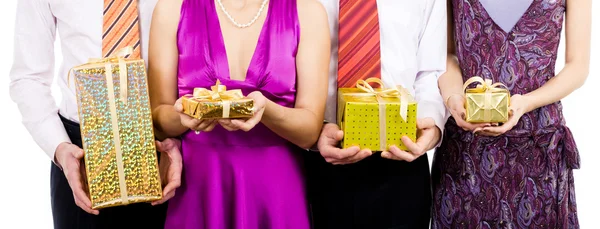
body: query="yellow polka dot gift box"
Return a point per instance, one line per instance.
(376, 118)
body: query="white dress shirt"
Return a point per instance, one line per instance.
(413, 52)
(79, 23)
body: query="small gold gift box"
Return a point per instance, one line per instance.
(487, 102)
(116, 130)
(217, 103)
(376, 118)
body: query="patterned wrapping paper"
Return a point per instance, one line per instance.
(487, 102)
(217, 103)
(117, 132)
(376, 118)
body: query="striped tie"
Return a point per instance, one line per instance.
(120, 27)
(359, 56)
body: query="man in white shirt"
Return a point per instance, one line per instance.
(353, 188)
(87, 29)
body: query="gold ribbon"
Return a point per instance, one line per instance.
(398, 92)
(119, 58)
(485, 86)
(219, 92)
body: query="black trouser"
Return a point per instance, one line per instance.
(375, 193)
(67, 215)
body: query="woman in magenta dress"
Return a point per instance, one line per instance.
(241, 173)
(518, 174)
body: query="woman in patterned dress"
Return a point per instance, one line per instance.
(518, 174)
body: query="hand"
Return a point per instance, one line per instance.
(260, 102)
(331, 135)
(519, 105)
(428, 136)
(193, 123)
(69, 157)
(456, 106)
(170, 167)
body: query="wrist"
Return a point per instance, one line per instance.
(58, 153)
(529, 104)
(272, 112)
(449, 99)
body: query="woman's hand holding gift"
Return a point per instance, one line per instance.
(198, 125)
(260, 102)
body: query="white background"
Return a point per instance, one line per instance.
(24, 168)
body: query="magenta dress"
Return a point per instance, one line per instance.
(249, 180)
(524, 178)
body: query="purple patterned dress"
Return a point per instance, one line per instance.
(239, 180)
(524, 178)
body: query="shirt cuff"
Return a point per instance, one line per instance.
(438, 116)
(48, 134)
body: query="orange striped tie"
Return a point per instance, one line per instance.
(120, 27)
(359, 55)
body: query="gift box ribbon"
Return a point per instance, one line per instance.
(485, 86)
(397, 92)
(219, 92)
(119, 57)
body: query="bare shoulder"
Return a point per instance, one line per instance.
(311, 13)
(167, 10)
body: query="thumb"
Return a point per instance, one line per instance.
(425, 123)
(178, 106)
(159, 146)
(339, 135)
(333, 132)
(78, 153)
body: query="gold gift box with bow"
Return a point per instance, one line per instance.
(217, 103)
(376, 118)
(487, 102)
(117, 132)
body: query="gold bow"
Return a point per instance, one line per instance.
(485, 86)
(397, 92)
(118, 57)
(219, 92)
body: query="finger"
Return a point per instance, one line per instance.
(162, 147)
(189, 122)
(497, 130)
(512, 122)
(362, 154)
(467, 126)
(403, 155)
(178, 105)
(78, 153)
(80, 196)
(332, 131)
(246, 125)
(211, 126)
(417, 148)
(328, 147)
(168, 193)
(84, 207)
(203, 125)
(165, 198)
(390, 156)
(226, 123)
(333, 154)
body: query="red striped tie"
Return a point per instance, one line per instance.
(359, 56)
(120, 27)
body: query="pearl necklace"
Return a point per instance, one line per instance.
(260, 10)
